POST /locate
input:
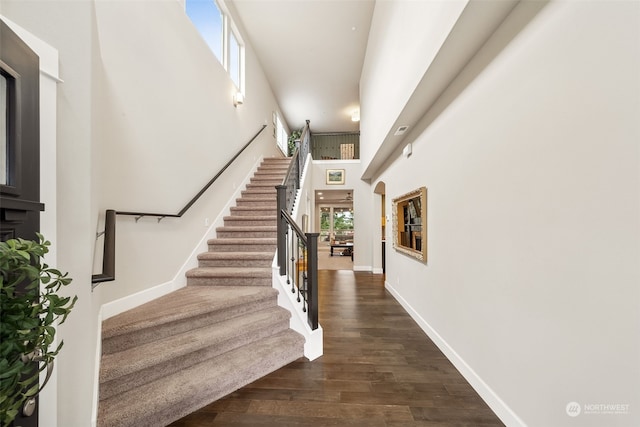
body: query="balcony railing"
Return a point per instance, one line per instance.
(335, 146)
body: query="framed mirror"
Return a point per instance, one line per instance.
(410, 224)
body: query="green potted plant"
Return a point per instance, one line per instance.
(30, 307)
(295, 135)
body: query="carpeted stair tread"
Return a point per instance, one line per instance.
(273, 180)
(250, 218)
(230, 272)
(241, 232)
(184, 303)
(235, 245)
(236, 255)
(256, 203)
(257, 197)
(261, 185)
(245, 220)
(260, 172)
(235, 259)
(259, 192)
(170, 398)
(247, 241)
(230, 276)
(151, 360)
(271, 228)
(253, 211)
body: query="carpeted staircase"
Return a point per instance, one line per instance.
(178, 353)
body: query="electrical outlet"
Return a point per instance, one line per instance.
(206, 222)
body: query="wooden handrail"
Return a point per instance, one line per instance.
(109, 257)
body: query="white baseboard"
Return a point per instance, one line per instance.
(506, 415)
(362, 268)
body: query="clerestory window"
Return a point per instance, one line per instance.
(218, 30)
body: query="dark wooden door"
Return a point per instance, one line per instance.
(19, 147)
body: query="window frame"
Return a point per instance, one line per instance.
(229, 31)
(280, 134)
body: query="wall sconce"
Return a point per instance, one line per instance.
(238, 99)
(355, 116)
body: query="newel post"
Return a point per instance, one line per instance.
(312, 279)
(282, 228)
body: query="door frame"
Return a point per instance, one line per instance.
(49, 80)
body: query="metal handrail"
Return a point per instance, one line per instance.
(109, 258)
(296, 167)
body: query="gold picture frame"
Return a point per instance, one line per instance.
(410, 224)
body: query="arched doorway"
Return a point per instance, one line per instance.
(381, 210)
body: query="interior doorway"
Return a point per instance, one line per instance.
(335, 221)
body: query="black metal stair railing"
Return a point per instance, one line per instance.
(109, 251)
(296, 167)
(297, 254)
(298, 259)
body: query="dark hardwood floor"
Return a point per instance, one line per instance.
(378, 369)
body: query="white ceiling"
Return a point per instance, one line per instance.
(312, 52)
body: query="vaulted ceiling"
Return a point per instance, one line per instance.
(312, 52)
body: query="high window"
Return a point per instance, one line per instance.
(280, 134)
(218, 30)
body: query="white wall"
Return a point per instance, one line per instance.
(533, 176)
(144, 120)
(166, 125)
(405, 37)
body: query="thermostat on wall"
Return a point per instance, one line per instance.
(406, 151)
